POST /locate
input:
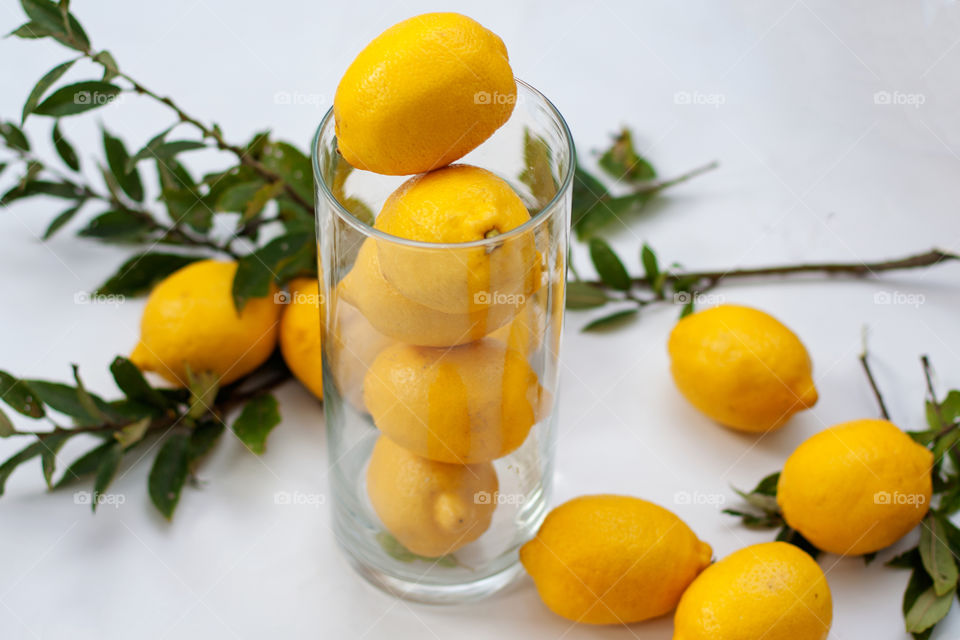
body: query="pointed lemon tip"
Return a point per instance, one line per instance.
(140, 357)
(809, 396)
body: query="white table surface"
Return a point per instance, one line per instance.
(812, 169)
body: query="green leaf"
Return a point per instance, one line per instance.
(282, 257)
(259, 200)
(133, 385)
(909, 559)
(66, 399)
(107, 469)
(6, 426)
(768, 485)
(949, 411)
(608, 265)
(203, 392)
(32, 188)
(609, 210)
(164, 151)
(292, 165)
(56, 22)
(14, 136)
(360, 209)
(585, 296)
(48, 457)
(945, 444)
(31, 31)
(86, 400)
(132, 433)
(147, 150)
(928, 609)
(392, 547)
(41, 87)
(85, 464)
(110, 68)
(168, 473)
(538, 172)
(760, 501)
(622, 162)
(140, 273)
(936, 554)
(117, 158)
(235, 197)
(611, 321)
(20, 396)
(651, 269)
(117, 226)
(78, 98)
(8, 467)
(588, 192)
(754, 521)
(184, 205)
(64, 149)
(203, 437)
(258, 418)
(174, 175)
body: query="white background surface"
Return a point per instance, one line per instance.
(811, 169)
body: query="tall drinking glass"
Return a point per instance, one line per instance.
(440, 367)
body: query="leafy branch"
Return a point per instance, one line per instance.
(678, 286)
(184, 424)
(934, 573)
(269, 185)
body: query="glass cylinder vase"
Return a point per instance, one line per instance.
(440, 367)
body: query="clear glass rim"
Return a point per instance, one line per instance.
(534, 220)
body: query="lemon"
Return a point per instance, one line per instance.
(741, 367)
(354, 345)
(300, 334)
(190, 322)
(773, 591)
(400, 318)
(472, 403)
(608, 559)
(423, 94)
(430, 507)
(856, 487)
(458, 204)
(525, 332)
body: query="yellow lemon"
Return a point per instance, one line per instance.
(190, 322)
(300, 334)
(773, 591)
(458, 204)
(354, 345)
(423, 94)
(400, 318)
(741, 367)
(430, 507)
(856, 487)
(608, 559)
(472, 403)
(525, 332)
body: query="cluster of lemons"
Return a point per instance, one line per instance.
(447, 331)
(617, 559)
(445, 373)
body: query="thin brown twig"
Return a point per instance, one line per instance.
(873, 382)
(857, 269)
(216, 136)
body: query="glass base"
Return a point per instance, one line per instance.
(418, 591)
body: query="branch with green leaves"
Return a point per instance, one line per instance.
(675, 285)
(933, 566)
(178, 426)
